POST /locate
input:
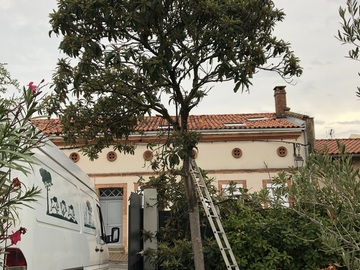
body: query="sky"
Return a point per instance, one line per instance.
(325, 91)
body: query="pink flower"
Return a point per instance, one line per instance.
(33, 87)
(16, 182)
(16, 236)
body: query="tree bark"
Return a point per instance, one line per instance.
(194, 218)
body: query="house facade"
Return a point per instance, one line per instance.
(248, 149)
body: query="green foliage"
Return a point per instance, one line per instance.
(350, 32)
(175, 254)
(350, 26)
(274, 239)
(134, 56)
(17, 135)
(177, 146)
(17, 138)
(6, 80)
(161, 182)
(327, 192)
(261, 238)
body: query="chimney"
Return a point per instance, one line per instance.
(280, 101)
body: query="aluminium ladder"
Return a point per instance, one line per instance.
(213, 216)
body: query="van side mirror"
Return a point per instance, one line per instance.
(115, 235)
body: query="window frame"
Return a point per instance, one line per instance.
(268, 183)
(227, 182)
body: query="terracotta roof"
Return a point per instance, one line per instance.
(196, 122)
(352, 146)
(48, 126)
(223, 121)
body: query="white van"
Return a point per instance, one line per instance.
(65, 228)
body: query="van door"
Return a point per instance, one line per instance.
(91, 246)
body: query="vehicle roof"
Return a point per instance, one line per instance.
(50, 150)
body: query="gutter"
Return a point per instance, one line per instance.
(351, 155)
(207, 131)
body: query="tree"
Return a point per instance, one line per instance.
(350, 33)
(327, 192)
(132, 57)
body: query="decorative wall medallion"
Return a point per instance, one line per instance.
(282, 151)
(148, 155)
(74, 157)
(236, 153)
(111, 156)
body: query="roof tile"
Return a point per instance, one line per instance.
(48, 126)
(218, 121)
(352, 145)
(196, 122)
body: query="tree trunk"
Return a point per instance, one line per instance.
(194, 218)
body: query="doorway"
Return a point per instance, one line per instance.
(111, 202)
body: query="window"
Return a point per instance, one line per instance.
(165, 127)
(275, 192)
(234, 124)
(231, 188)
(111, 192)
(260, 118)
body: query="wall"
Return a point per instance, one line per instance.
(257, 163)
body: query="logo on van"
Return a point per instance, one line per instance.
(56, 207)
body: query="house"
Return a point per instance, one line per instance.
(248, 149)
(330, 146)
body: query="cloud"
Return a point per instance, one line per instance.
(353, 122)
(318, 122)
(325, 91)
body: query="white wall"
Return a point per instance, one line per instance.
(259, 161)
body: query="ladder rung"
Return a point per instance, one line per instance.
(213, 216)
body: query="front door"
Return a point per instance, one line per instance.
(111, 202)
